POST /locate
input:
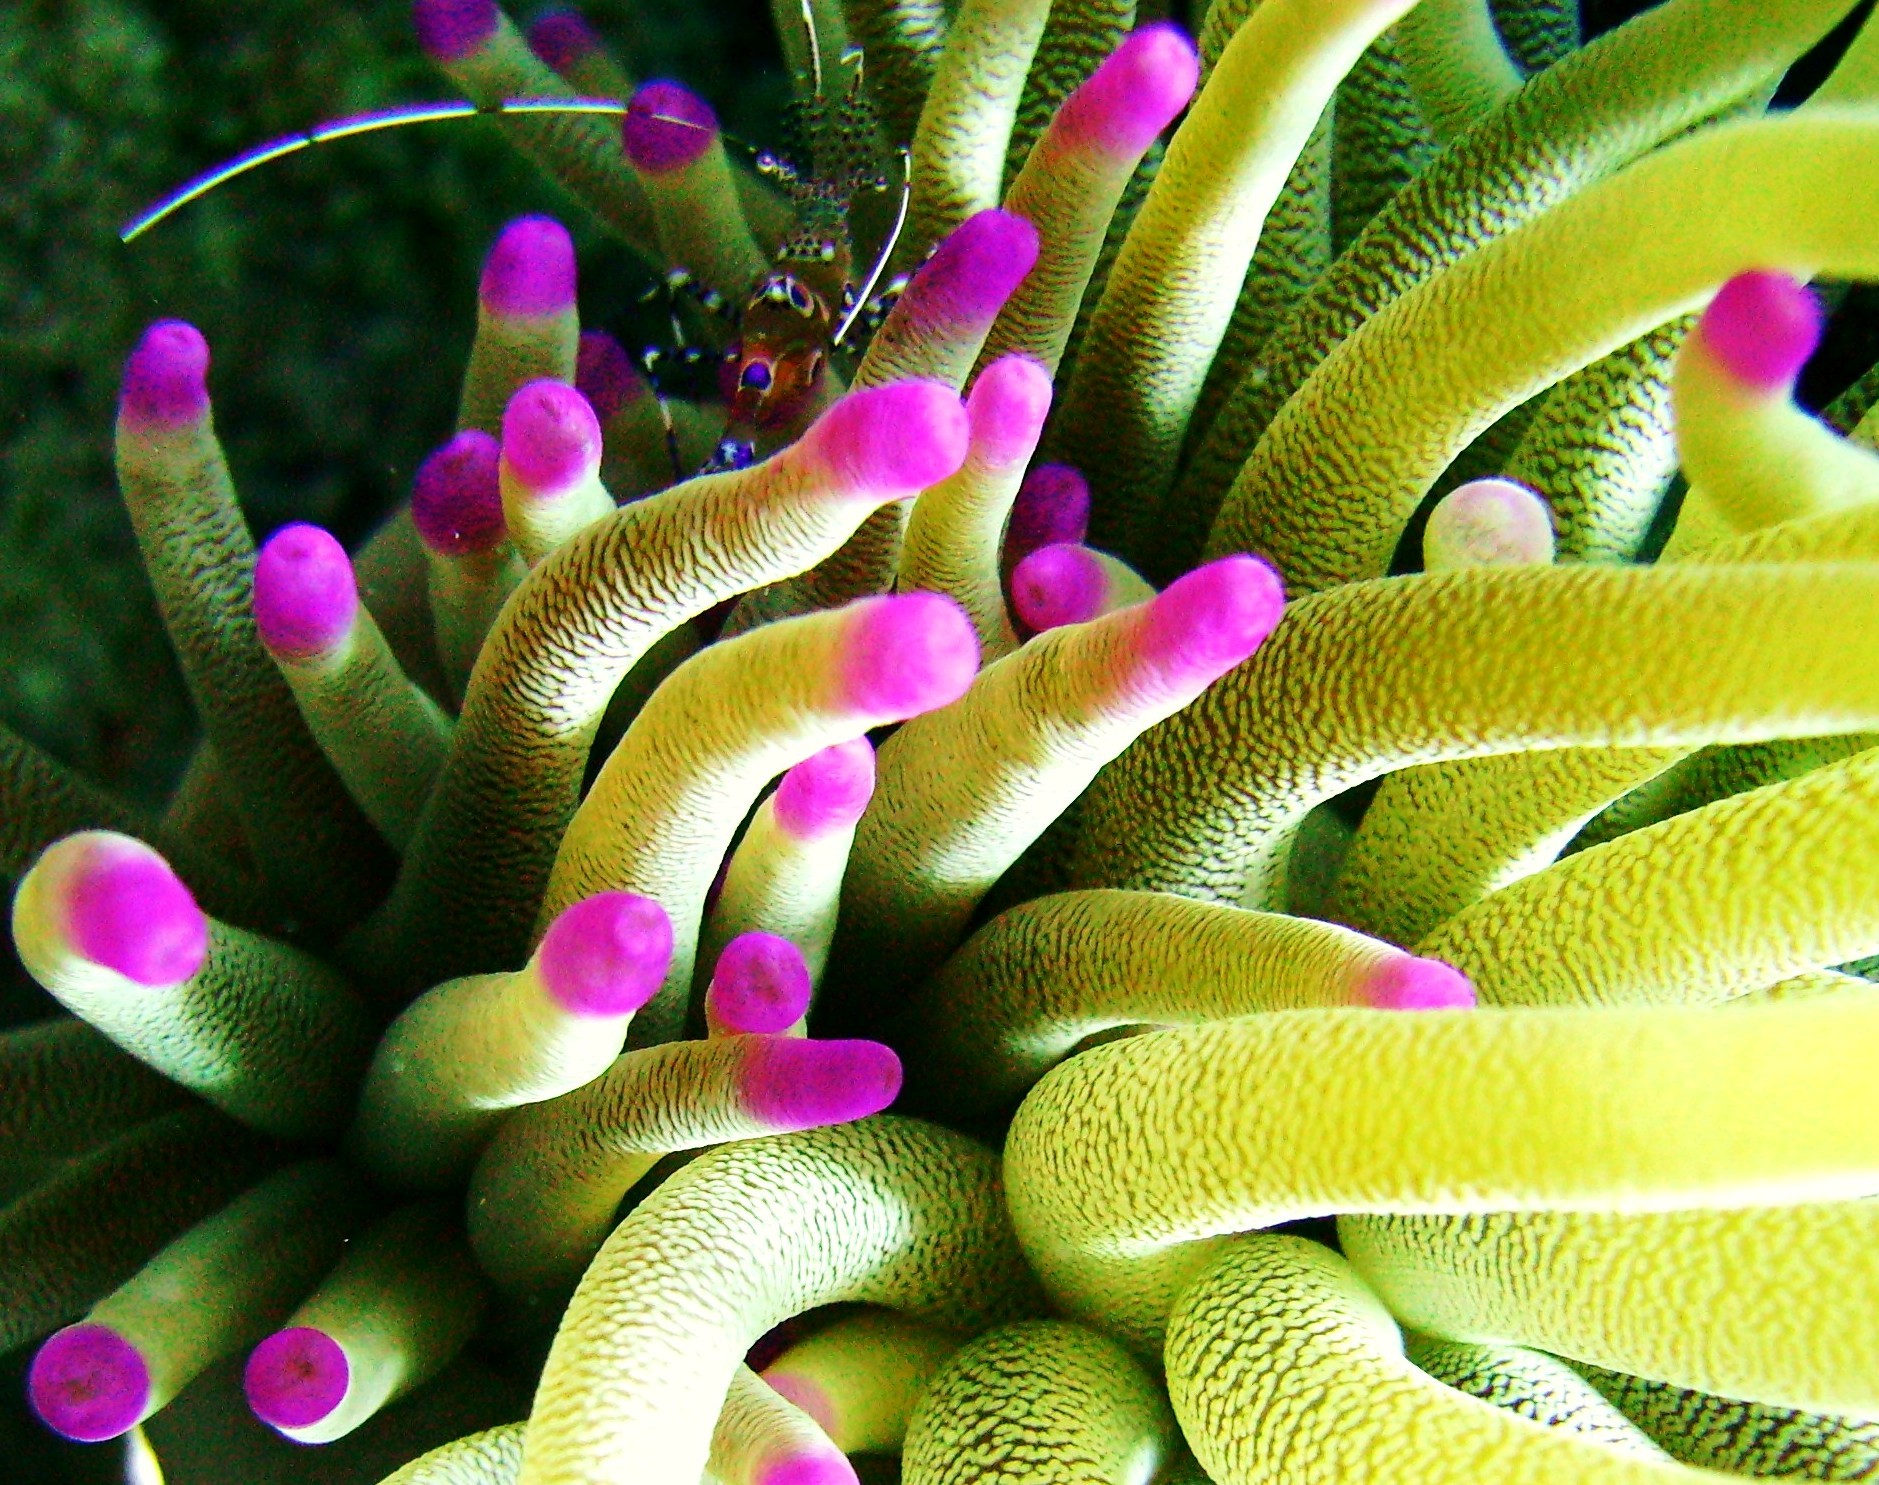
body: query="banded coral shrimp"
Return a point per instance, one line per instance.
(669, 194)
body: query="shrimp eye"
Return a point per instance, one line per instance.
(755, 376)
(799, 299)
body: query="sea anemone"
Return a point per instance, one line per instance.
(1297, 693)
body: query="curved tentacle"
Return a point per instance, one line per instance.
(888, 1211)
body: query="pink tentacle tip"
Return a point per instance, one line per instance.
(126, 910)
(1006, 408)
(561, 37)
(798, 1084)
(296, 1377)
(305, 594)
(87, 1383)
(1207, 621)
(666, 127)
(831, 1468)
(1406, 983)
(1056, 585)
(907, 655)
(529, 270)
(166, 378)
(606, 955)
(1133, 95)
(892, 440)
(605, 375)
(452, 29)
(974, 270)
(1488, 523)
(1053, 505)
(456, 499)
(550, 437)
(827, 791)
(1762, 326)
(759, 984)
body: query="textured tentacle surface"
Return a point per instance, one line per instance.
(314, 845)
(65, 1088)
(1033, 983)
(1314, 1386)
(966, 120)
(1123, 1160)
(512, 778)
(1529, 1383)
(1227, 797)
(264, 1031)
(1170, 295)
(1724, 1433)
(1779, 1313)
(1455, 63)
(966, 789)
(69, 1242)
(1632, 89)
(1438, 838)
(1746, 178)
(1039, 1401)
(545, 1191)
(1600, 449)
(862, 1376)
(1705, 942)
(888, 1211)
(664, 809)
(485, 54)
(492, 1457)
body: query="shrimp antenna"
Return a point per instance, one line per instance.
(363, 123)
(886, 252)
(815, 47)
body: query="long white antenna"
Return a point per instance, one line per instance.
(880, 258)
(364, 123)
(815, 46)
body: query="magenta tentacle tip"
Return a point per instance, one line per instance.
(561, 37)
(296, 1377)
(166, 378)
(1406, 983)
(126, 910)
(759, 984)
(901, 437)
(605, 375)
(305, 594)
(456, 499)
(550, 437)
(1134, 94)
(831, 1468)
(451, 29)
(827, 790)
(1063, 583)
(1762, 326)
(974, 270)
(529, 270)
(797, 1084)
(87, 1383)
(1207, 621)
(606, 955)
(1053, 505)
(1007, 407)
(907, 655)
(666, 127)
